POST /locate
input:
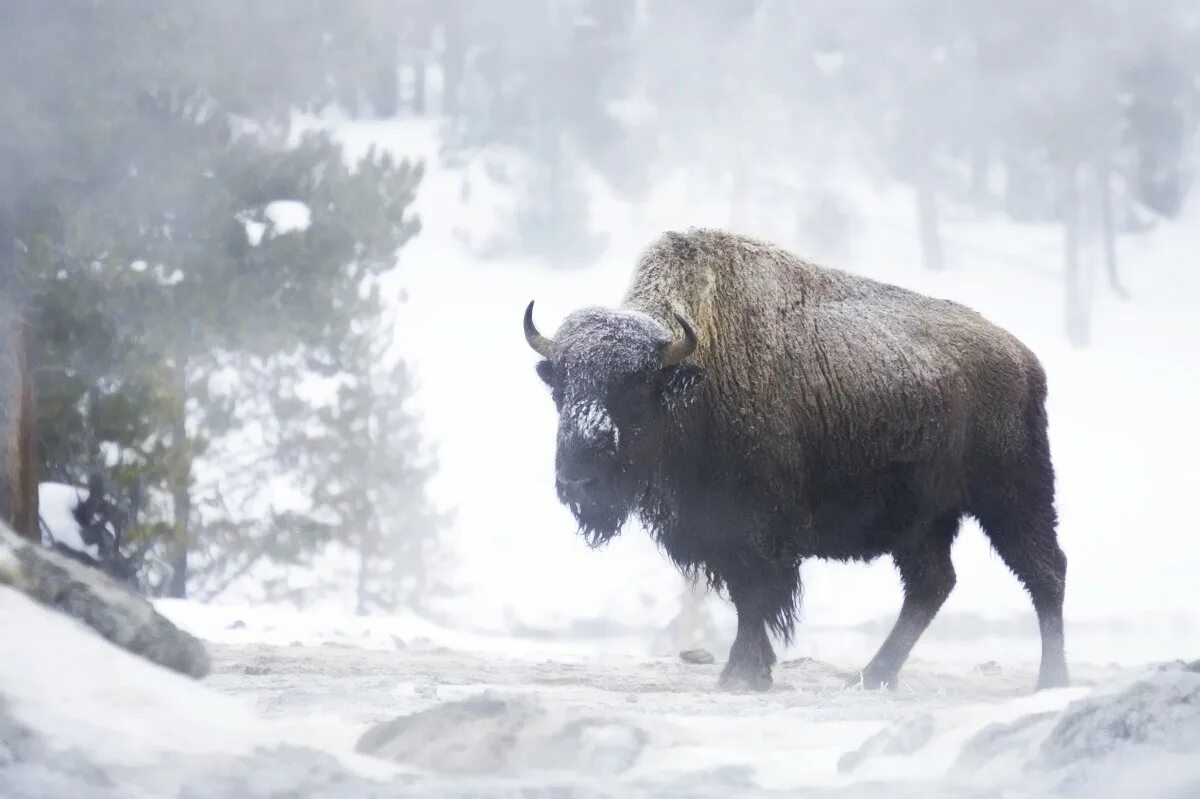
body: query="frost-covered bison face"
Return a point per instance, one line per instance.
(614, 376)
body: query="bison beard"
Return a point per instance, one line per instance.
(754, 410)
(599, 520)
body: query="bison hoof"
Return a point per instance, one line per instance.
(742, 678)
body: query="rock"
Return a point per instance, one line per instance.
(398, 642)
(999, 750)
(490, 734)
(111, 609)
(903, 737)
(989, 668)
(796, 663)
(1160, 711)
(1140, 741)
(238, 625)
(699, 656)
(1181, 665)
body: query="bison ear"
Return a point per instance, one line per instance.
(676, 382)
(545, 370)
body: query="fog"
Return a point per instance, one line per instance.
(262, 272)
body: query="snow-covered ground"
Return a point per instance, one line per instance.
(483, 715)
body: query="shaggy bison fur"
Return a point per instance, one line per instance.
(754, 410)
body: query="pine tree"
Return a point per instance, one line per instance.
(367, 473)
(143, 160)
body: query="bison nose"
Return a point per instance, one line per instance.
(573, 486)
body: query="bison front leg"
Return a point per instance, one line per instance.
(750, 657)
(761, 598)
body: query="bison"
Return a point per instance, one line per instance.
(752, 410)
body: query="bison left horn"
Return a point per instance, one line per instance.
(540, 344)
(676, 351)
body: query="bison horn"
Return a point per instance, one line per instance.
(676, 351)
(540, 344)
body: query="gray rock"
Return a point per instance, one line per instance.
(1161, 711)
(1140, 741)
(903, 737)
(111, 609)
(701, 656)
(487, 734)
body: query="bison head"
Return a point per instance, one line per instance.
(615, 377)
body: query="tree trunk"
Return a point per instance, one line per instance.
(361, 594)
(928, 224)
(385, 96)
(181, 493)
(980, 165)
(454, 56)
(418, 95)
(18, 440)
(1075, 305)
(26, 520)
(1108, 230)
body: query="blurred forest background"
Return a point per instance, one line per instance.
(193, 268)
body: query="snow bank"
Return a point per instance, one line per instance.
(80, 717)
(56, 506)
(287, 216)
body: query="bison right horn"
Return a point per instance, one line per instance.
(540, 344)
(676, 351)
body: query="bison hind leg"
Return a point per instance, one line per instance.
(928, 576)
(1017, 514)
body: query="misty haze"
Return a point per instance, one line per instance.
(683, 398)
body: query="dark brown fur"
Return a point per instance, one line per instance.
(838, 418)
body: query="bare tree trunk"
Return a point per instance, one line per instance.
(181, 491)
(1109, 231)
(418, 96)
(18, 440)
(364, 560)
(26, 520)
(1075, 307)
(454, 56)
(928, 222)
(980, 163)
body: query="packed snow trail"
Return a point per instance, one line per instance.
(790, 737)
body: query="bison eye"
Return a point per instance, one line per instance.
(545, 370)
